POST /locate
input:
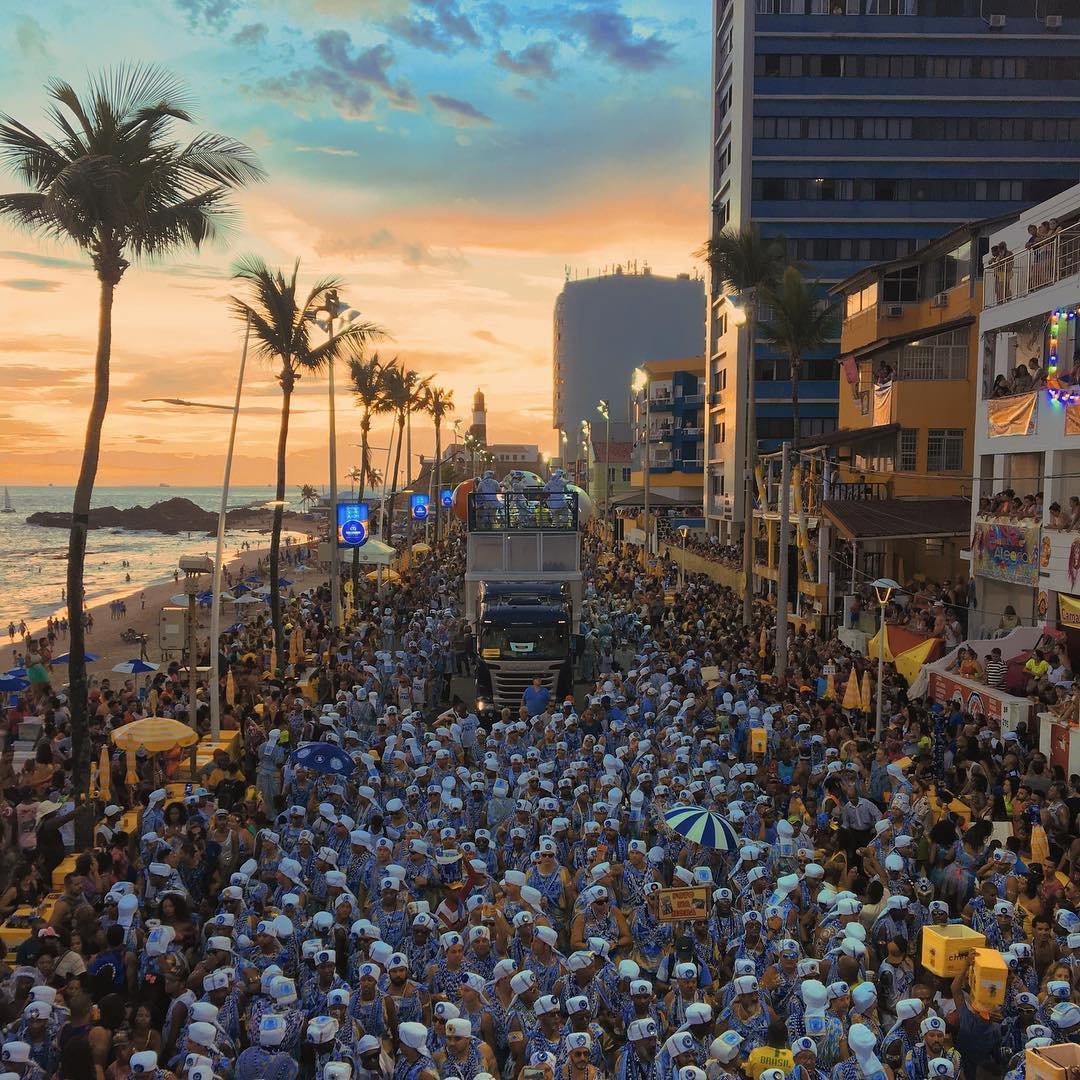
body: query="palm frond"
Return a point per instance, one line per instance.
(743, 259)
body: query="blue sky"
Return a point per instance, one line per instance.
(447, 158)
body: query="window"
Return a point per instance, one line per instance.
(775, 427)
(816, 425)
(952, 269)
(717, 435)
(909, 449)
(901, 286)
(626, 475)
(611, 474)
(945, 450)
(861, 300)
(942, 356)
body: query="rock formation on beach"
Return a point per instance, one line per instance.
(171, 516)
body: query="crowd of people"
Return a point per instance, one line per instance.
(477, 893)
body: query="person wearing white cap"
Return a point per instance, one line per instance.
(415, 1062)
(931, 1045)
(465, 1054)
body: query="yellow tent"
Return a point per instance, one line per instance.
(909, 662)
(852, 700)
(872, 648)
(865, 693)
(156, 734)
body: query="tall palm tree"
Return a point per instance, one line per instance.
(113, 179)
(801, 324)
(354, 476)
(418, 395)
(397, 392)
(747, 263)
(439, 404)
(308, 496)
(367, 382)
(279, 316)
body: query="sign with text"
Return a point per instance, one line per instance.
(418, 504)
(446, 498)
(679, 904)
(352, 524)
(1006, 551)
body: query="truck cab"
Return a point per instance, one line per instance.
(523, 591)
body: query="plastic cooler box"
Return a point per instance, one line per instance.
(1058, 1062)
(989, 977)
(945, 948)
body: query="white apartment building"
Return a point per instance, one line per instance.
(1029, 440)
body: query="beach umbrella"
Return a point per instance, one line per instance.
(702, 827)
(17, 672)
(66, 658)
(830, 687)
(104, 775)
(131, 777)
(230, 688)
(852, 698)
(254, 579)
(761, 643)
(239, 589)
(235, 628)
(284, 582)
(249, 598)
(864, 693)
(136, 667)
(9, 684)
(388, 575)
(155, 734)
(322, 758)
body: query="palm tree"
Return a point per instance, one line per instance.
(397, 394)
(747, 263)
(439, 404)
(278, 314)
(113, 179)
(308, 496)
(801, 324)
(369, 390)
(354, 476)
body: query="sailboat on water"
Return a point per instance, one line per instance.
(7, 508)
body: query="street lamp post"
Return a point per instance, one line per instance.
(586, 443)
(604, 409)
(641, 383)
(333, 308)
(883, 588)
(684, 533)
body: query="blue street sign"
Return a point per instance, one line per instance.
(419, 506)
(352, 524)
(446, 497)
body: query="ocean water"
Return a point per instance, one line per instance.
(33, 559)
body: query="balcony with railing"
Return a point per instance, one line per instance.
(690, 400)
(1024, 272)
(691, 432)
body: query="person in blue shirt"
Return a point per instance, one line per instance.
(536, 697)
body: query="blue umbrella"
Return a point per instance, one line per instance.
(240, 589)
(284, 581)
(66, 658)
(253, 578)
(11, 685)
(17, 673)
(702, 827)
(323, 758)
(135, 667)
(236, 626)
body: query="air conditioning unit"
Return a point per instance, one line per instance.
(941, 299)
(894, 311)
(996, 22)
(1052, 22)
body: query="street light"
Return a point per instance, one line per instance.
(219, 549)
(603, 407)
(883, 588)
(324, 316)
(586, 440)
(684, 532)
(641, 384)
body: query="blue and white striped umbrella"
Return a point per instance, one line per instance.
(702, 827)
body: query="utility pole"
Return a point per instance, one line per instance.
(785, 540)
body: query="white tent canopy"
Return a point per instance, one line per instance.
(373, 553)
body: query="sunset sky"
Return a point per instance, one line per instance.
(446, 158)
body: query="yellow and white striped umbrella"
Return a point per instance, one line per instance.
(156, 734)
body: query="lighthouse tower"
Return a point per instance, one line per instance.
(478, 428)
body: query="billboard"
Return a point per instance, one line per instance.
(418, 505)
(446, 498)
(352, 524)
(1006, 551)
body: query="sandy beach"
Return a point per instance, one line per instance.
(144, 605)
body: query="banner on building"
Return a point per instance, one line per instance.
(1006, 552)
(883, 399)
(945, 689)
(1069, 610)
(1013, 415)
(1072, 419)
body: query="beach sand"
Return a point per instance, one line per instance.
(144, 606)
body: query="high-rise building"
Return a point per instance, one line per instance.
(605, 327)
(859, 130)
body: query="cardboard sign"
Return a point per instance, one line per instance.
(685, 903)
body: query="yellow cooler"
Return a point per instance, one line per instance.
(989, 977)
(945, 948)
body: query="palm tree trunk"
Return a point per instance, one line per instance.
(394, 481)
(279, 514)
(365, 423)
(80, 520)
(751, 462)
(796, 367)
(438, 475)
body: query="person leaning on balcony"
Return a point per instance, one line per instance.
(1057, 519)
(1001, 387)
(1008, 622)
(1022, 382)
(1037, 372)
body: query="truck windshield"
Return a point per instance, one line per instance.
(524, 642)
